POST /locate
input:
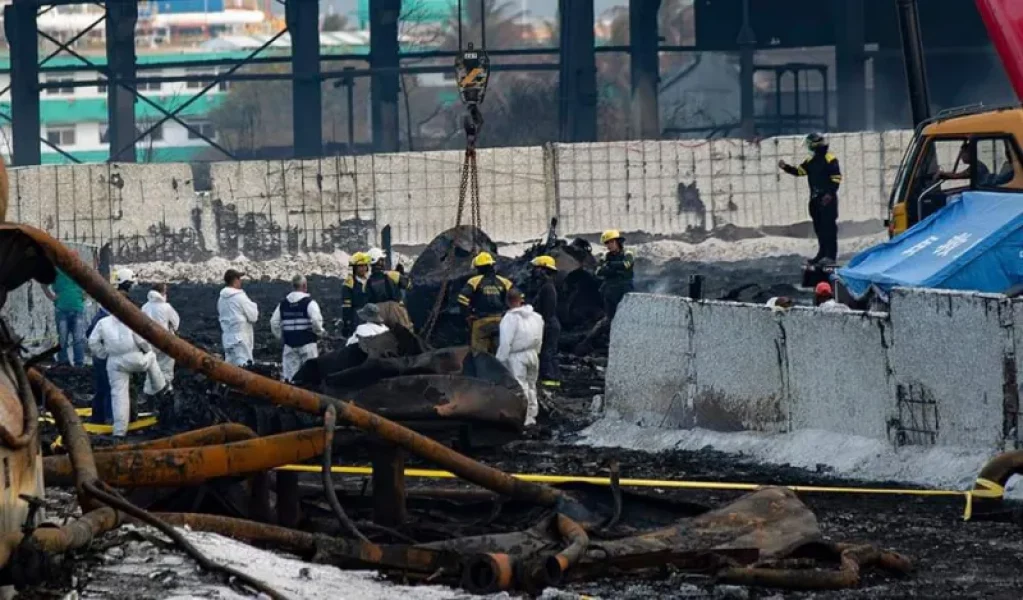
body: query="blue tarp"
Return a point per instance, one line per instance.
(974, 243)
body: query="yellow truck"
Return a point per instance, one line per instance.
(971, 148)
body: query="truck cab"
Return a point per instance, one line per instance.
(972, 148)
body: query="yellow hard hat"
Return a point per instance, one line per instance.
(545, 262)
(610, 234)
(483, 259)
(359, 258)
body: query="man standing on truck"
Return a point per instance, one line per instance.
(824, 177)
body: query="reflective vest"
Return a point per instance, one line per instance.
(296, 328)
(486, 295)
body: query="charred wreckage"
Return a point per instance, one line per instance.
(393, 397)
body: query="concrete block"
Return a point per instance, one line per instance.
(949, 355)
(739, 358)
(647, 371)
(838, 372)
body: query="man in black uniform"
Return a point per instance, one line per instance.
(615, 272)
(824, 177)
(385, 289)
(545, 303)
(484, 300)
(353, 292)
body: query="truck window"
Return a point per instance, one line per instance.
(955, 165)
(1005, 165)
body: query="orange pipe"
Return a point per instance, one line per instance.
(177, 467)
(359, 552)
(80, 461)
(279, 393)
(57, 540)
(207, 436)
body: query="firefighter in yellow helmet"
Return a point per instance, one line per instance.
(614, 271)
(386, 289)
(353, 292)
(484, 300)
(545, 303)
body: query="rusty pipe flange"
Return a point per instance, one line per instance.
(488, 573)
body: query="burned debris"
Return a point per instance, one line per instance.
(398, 393)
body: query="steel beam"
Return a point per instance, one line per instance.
(303, 19)
(578, 77)
(20, 29)
(388, 485)
(120, 29)
(850, 74)
(913, 53)
(645, 69)
(747, 42)
(383, 55)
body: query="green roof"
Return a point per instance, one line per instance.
(160, 155)
(88, 110)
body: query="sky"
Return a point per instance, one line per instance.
(539, 8)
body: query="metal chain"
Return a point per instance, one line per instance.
(468, 173)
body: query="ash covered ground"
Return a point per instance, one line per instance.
(952, 558)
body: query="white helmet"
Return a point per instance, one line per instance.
(122, 275)
(376, 254)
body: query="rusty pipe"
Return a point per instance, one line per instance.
(224, 433)
(573, 533)
(852, 559)
(349, 552)
(29, 409)
(190, 466)
(276, 392)
(55, 540)
(81, 464)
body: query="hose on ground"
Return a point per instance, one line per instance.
(329, 421)
(112, 499)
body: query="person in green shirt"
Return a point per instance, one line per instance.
(69, 306)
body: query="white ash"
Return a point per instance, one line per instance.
(276, 269)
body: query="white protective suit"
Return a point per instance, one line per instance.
(521, 337)
(237, 314)
(126, 353)
(366, 330)
(292, 359)
(833, 306)
(158, 309)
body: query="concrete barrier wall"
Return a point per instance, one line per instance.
(939, 370)
(270, 208)
(669, 187)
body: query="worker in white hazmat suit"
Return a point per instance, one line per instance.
(521, 337)
(298, 323)
(371, 323)
(160, 310)
(126, 353)
(237, 314)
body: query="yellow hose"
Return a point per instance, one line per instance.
(987, 491)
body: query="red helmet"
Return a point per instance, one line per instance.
(823, 289)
